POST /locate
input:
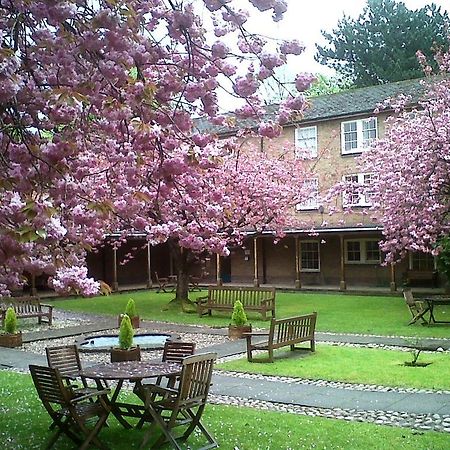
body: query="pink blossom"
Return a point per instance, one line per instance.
(304, 81)
(246, 86)
(269, 129)
(219, 50)
(291, 47)
(271, 61)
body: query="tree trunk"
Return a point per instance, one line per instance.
(180, 256)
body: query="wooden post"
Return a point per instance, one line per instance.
(255, 255)
(393, 285)
(149, 266)
(342, 284)
(115, 284)
(298, 264)
(219, 281)
(33, 290)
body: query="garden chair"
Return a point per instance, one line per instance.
(417, 308)
(183, 406)
(194, 284)
(66, 359)
(70, 413)
(174, 351)
(165, 282)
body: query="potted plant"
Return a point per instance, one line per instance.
(125, 351)
(130, 311)
(11, 337)
(239, 323)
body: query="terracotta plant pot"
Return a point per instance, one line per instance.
(235, 332)
(11, 340)
(135, 322)
(132, 354)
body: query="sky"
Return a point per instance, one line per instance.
(305, 19)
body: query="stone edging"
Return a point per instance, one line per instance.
(424, 422)
(334, 384)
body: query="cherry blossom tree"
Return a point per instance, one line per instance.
(412, 161)
(97, 100)
(219, 200)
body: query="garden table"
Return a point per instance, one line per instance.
(434, 301)
(133, 371)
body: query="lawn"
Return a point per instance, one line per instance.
(338, 313)
(25, 426)
(354, 365)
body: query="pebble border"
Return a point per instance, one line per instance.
(334, 384)
(422, 422)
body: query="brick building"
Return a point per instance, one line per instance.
(343, 250)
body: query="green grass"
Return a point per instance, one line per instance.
(24, 425)
(339, 313)
(354, 365)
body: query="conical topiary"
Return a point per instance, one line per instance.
(238, 318)
(125, 333)
(11, 321)
(130, 309)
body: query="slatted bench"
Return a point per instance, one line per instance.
(283, 333)
(25, 307)
(222, 298)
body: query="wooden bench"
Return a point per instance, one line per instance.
(221, 298)
(412, 276)
(25, 307)
(283, 332)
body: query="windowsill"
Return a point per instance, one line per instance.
(354, 153)
(307, 209)
(309, 270)
(363, 263)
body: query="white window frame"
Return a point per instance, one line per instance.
(312, 202)
(361, 179)
(363, 251)
(302, 152)
(362, 143)
(304, 269)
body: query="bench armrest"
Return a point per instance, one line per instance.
(268, 300)
(248, 336)
(256, 333)
(50, 307)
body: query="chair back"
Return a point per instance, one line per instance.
(407, 294)
(64, 358)
(175, 351)
(49, 386)
(195, 379)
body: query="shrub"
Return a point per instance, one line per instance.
(126, 333)
(238, 318)
(443, 259)
(11, 321)
(130, 309)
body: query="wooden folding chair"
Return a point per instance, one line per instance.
(69, 412)
(174, 351)
(66, 359)
(417, 308)
(165, 283)
(181, 407)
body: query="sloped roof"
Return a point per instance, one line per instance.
(350, 102)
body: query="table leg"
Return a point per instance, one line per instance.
(115, 409)
(432, 318)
